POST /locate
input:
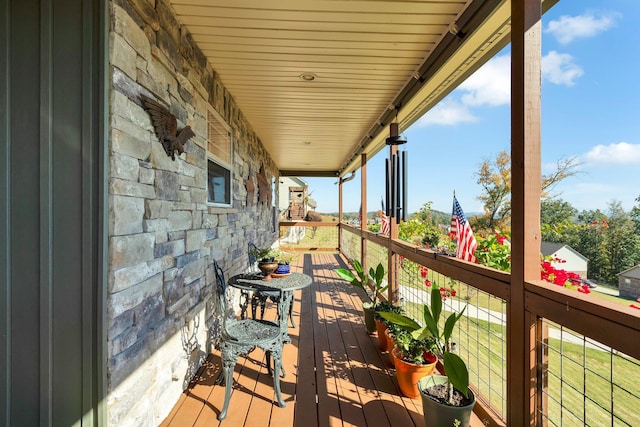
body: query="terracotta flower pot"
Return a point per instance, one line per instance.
(382, 338)
(390, 346)
(408, 374)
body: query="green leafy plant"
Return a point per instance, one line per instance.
(265, 254)
(386, 306)
(494, 251)
(455, 368)
(285, 258)
(374, 280)
(413, 350)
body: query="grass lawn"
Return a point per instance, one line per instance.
(616, 299)
(315, 237)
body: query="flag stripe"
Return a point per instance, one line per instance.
(466, 241)
(385, 228)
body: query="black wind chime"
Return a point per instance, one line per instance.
(396, 174)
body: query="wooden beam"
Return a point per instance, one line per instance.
(606, 322)
(485, 279)
(542, 380)
(308, 224)
(525, 201)
(363, 210)
(309, 173)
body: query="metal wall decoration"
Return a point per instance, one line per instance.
(166, 127)
(251, 188)
(264, 192)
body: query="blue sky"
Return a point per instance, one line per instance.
(590, 110)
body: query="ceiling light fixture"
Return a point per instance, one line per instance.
(308, 77)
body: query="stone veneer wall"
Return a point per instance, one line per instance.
(163, 237)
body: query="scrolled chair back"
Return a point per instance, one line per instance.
(221, 287)
(252, 248)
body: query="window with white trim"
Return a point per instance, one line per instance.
(219, 160)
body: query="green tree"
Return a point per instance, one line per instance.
(421, 227)
(621, 243)
(635, 216)
(494, 176)
(558, 222)
(557, 211)
(590, 242)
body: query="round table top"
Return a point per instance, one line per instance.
(253, 281)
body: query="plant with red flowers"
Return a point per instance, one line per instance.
(495, 251)
(561, 277)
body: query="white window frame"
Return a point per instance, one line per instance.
(213, 114)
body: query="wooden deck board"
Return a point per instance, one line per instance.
(335, 374)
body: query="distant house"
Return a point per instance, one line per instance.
(294, 200)
(629, 282)
(574, 260)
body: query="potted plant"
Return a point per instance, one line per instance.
(375, 278)
(445, 398)
(264, 254)
(381, 323)
(413, 354)
(266, 260)
(392, 333)
(284, 262)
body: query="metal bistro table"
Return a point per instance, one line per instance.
(286, 285)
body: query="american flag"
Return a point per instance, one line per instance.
(461, 230)
(385, 228)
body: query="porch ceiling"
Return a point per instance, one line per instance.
(367, 57)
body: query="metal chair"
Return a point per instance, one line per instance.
(259, 298)
(240, 337)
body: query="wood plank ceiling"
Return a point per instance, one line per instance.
(315, 78)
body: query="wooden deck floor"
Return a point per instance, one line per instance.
(335, 374)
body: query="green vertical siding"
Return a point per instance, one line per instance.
(51, 187)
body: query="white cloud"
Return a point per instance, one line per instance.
(490, 85)
(568, 28)
(447, 112)
(620, 153)
(560, 69)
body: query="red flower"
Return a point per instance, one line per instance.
(427, 283)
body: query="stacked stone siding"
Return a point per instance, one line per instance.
(163, 236)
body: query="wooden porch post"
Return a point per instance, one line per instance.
(525, 200)
(340, 216)
(363, 210)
